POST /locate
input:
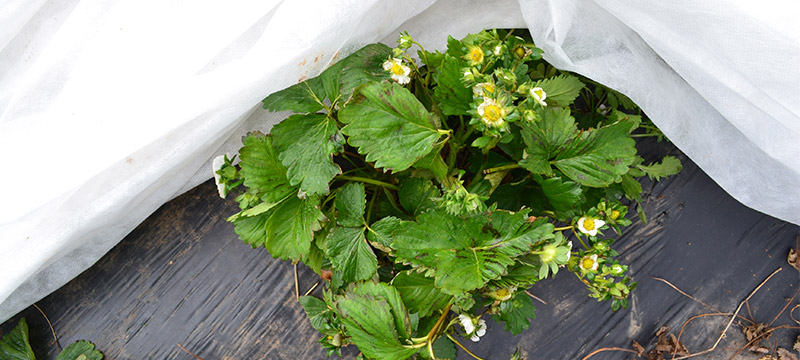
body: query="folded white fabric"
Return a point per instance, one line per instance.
(113, 107)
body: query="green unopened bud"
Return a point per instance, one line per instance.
(405, 41)
(501, 294)
(530, 115)
(521, 52)
(548, 253)
(506, 75)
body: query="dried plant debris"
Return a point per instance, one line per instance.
(667, 346)
(796, 345)
(794, 259)
(780, 354)
(756, 334)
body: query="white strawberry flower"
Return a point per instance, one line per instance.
(492, 113)
(589, 263)
(539, 95)
(399, 71)
(589, 225)
(469, 324)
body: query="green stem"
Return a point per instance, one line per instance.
(501, 168)
(563, 228)
(371, 206)
(580, 239)
(367, 181)
(462, 346)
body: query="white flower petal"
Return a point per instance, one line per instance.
(216, 164)
(599, 223)
(481, 328)
(466, 323)
(475, 338)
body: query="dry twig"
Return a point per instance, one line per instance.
(189, 352)
(735, 314)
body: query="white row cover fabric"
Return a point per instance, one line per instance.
(110, 108)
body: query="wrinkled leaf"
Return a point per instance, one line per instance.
(306, 144)
(465, 253)
(563, 195)
(388, 124)
(372, 315)
(290, 228)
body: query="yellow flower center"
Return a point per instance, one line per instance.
(588, 224)
(587, 263)
(489, 87)
(539, 93)
(397, 69)
(476, 54)
(492, 113)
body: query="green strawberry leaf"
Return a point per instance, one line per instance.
(319, 314)
(80, 350)
(251, 229)
(516, 313)
(335, 83)
(290, 228)
(443, 349)
(307, 144)
(372, 314)
(464, 253)
(563, 195)
(380, 232)
(597, 158)
(561, 90)
(286, 230)
(416, 195)
(669, 165)
(632, 188)
(16, 345)
(455, 98)
(363, 66)
(388, 124)
(545, 138)
(349, 252)
(419, 293)
(305, 97)
(350, 204)
(261, 169)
